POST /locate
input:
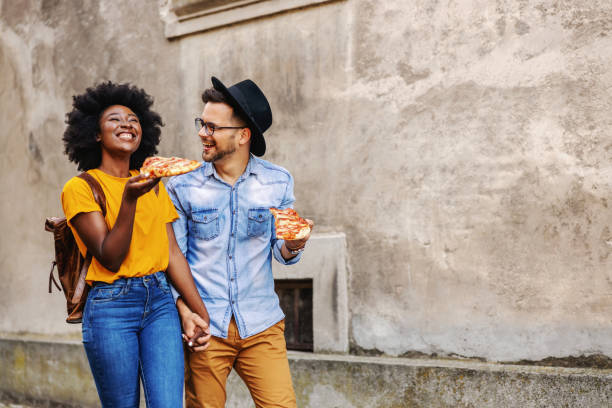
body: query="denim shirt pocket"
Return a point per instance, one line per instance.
(205, 223)
(259, 221)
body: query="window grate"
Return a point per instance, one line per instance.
(295, 296)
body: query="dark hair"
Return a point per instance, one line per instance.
(213, 95)
(83, 123)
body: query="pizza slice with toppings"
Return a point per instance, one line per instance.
(289, 225)
(158, 166)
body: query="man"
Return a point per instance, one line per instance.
(226, 231)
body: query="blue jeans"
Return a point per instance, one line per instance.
(131, 331)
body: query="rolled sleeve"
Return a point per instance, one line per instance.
(279, 257)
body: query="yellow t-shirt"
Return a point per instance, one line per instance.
(149, 252)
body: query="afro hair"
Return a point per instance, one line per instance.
(83, 123)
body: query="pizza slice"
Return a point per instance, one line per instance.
(157, 166)
(289, 225)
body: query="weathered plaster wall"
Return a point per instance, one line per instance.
(463, 147)
(482, 129)
(49, 51)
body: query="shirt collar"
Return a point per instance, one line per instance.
(209, 169)
(253, 167)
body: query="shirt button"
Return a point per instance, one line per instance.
(232, 279)
(233, 302)
(234, 212)
(230, 257)
(232, 234)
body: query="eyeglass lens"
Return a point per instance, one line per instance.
(208, 129)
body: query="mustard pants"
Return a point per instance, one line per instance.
(260, 360)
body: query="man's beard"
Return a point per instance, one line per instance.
(218, 155)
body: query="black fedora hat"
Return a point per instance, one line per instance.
(251, 104)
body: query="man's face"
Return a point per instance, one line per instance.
(223, 142)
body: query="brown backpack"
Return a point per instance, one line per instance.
(71, 265)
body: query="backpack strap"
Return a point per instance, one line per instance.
(96, 188)
(52, 278)
(100, 198)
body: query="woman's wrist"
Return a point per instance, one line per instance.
(128, 198)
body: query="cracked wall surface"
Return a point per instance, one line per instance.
(463, 147)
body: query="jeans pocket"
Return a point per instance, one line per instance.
(259, 221)
(105, 292)
(162, 282)
(205, 224)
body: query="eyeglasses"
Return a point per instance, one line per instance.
(209, 128)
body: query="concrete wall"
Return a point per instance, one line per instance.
(463, 147)
(54, 374)
(49, 51)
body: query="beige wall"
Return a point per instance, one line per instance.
(49, 51)
(463, 147)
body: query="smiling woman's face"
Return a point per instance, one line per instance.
(120, 130)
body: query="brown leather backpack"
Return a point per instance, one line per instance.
(71, 265)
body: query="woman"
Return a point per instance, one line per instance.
(131, 328)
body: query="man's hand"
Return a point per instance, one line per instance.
(190, 324)
(190, 321)
(296, 244)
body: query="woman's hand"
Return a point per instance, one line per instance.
(137, 186)
(191, 322)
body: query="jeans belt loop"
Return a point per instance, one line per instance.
(158, 277)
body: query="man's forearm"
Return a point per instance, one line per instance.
(285, 253)
(182, 308)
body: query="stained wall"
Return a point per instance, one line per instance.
(463, 147)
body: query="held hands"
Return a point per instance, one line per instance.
(192, 324)
(138, 185)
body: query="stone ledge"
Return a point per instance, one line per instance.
(187, 17)
(43, 371)
(57, 373)
(388, 382)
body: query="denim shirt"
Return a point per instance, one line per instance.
(227, 235)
